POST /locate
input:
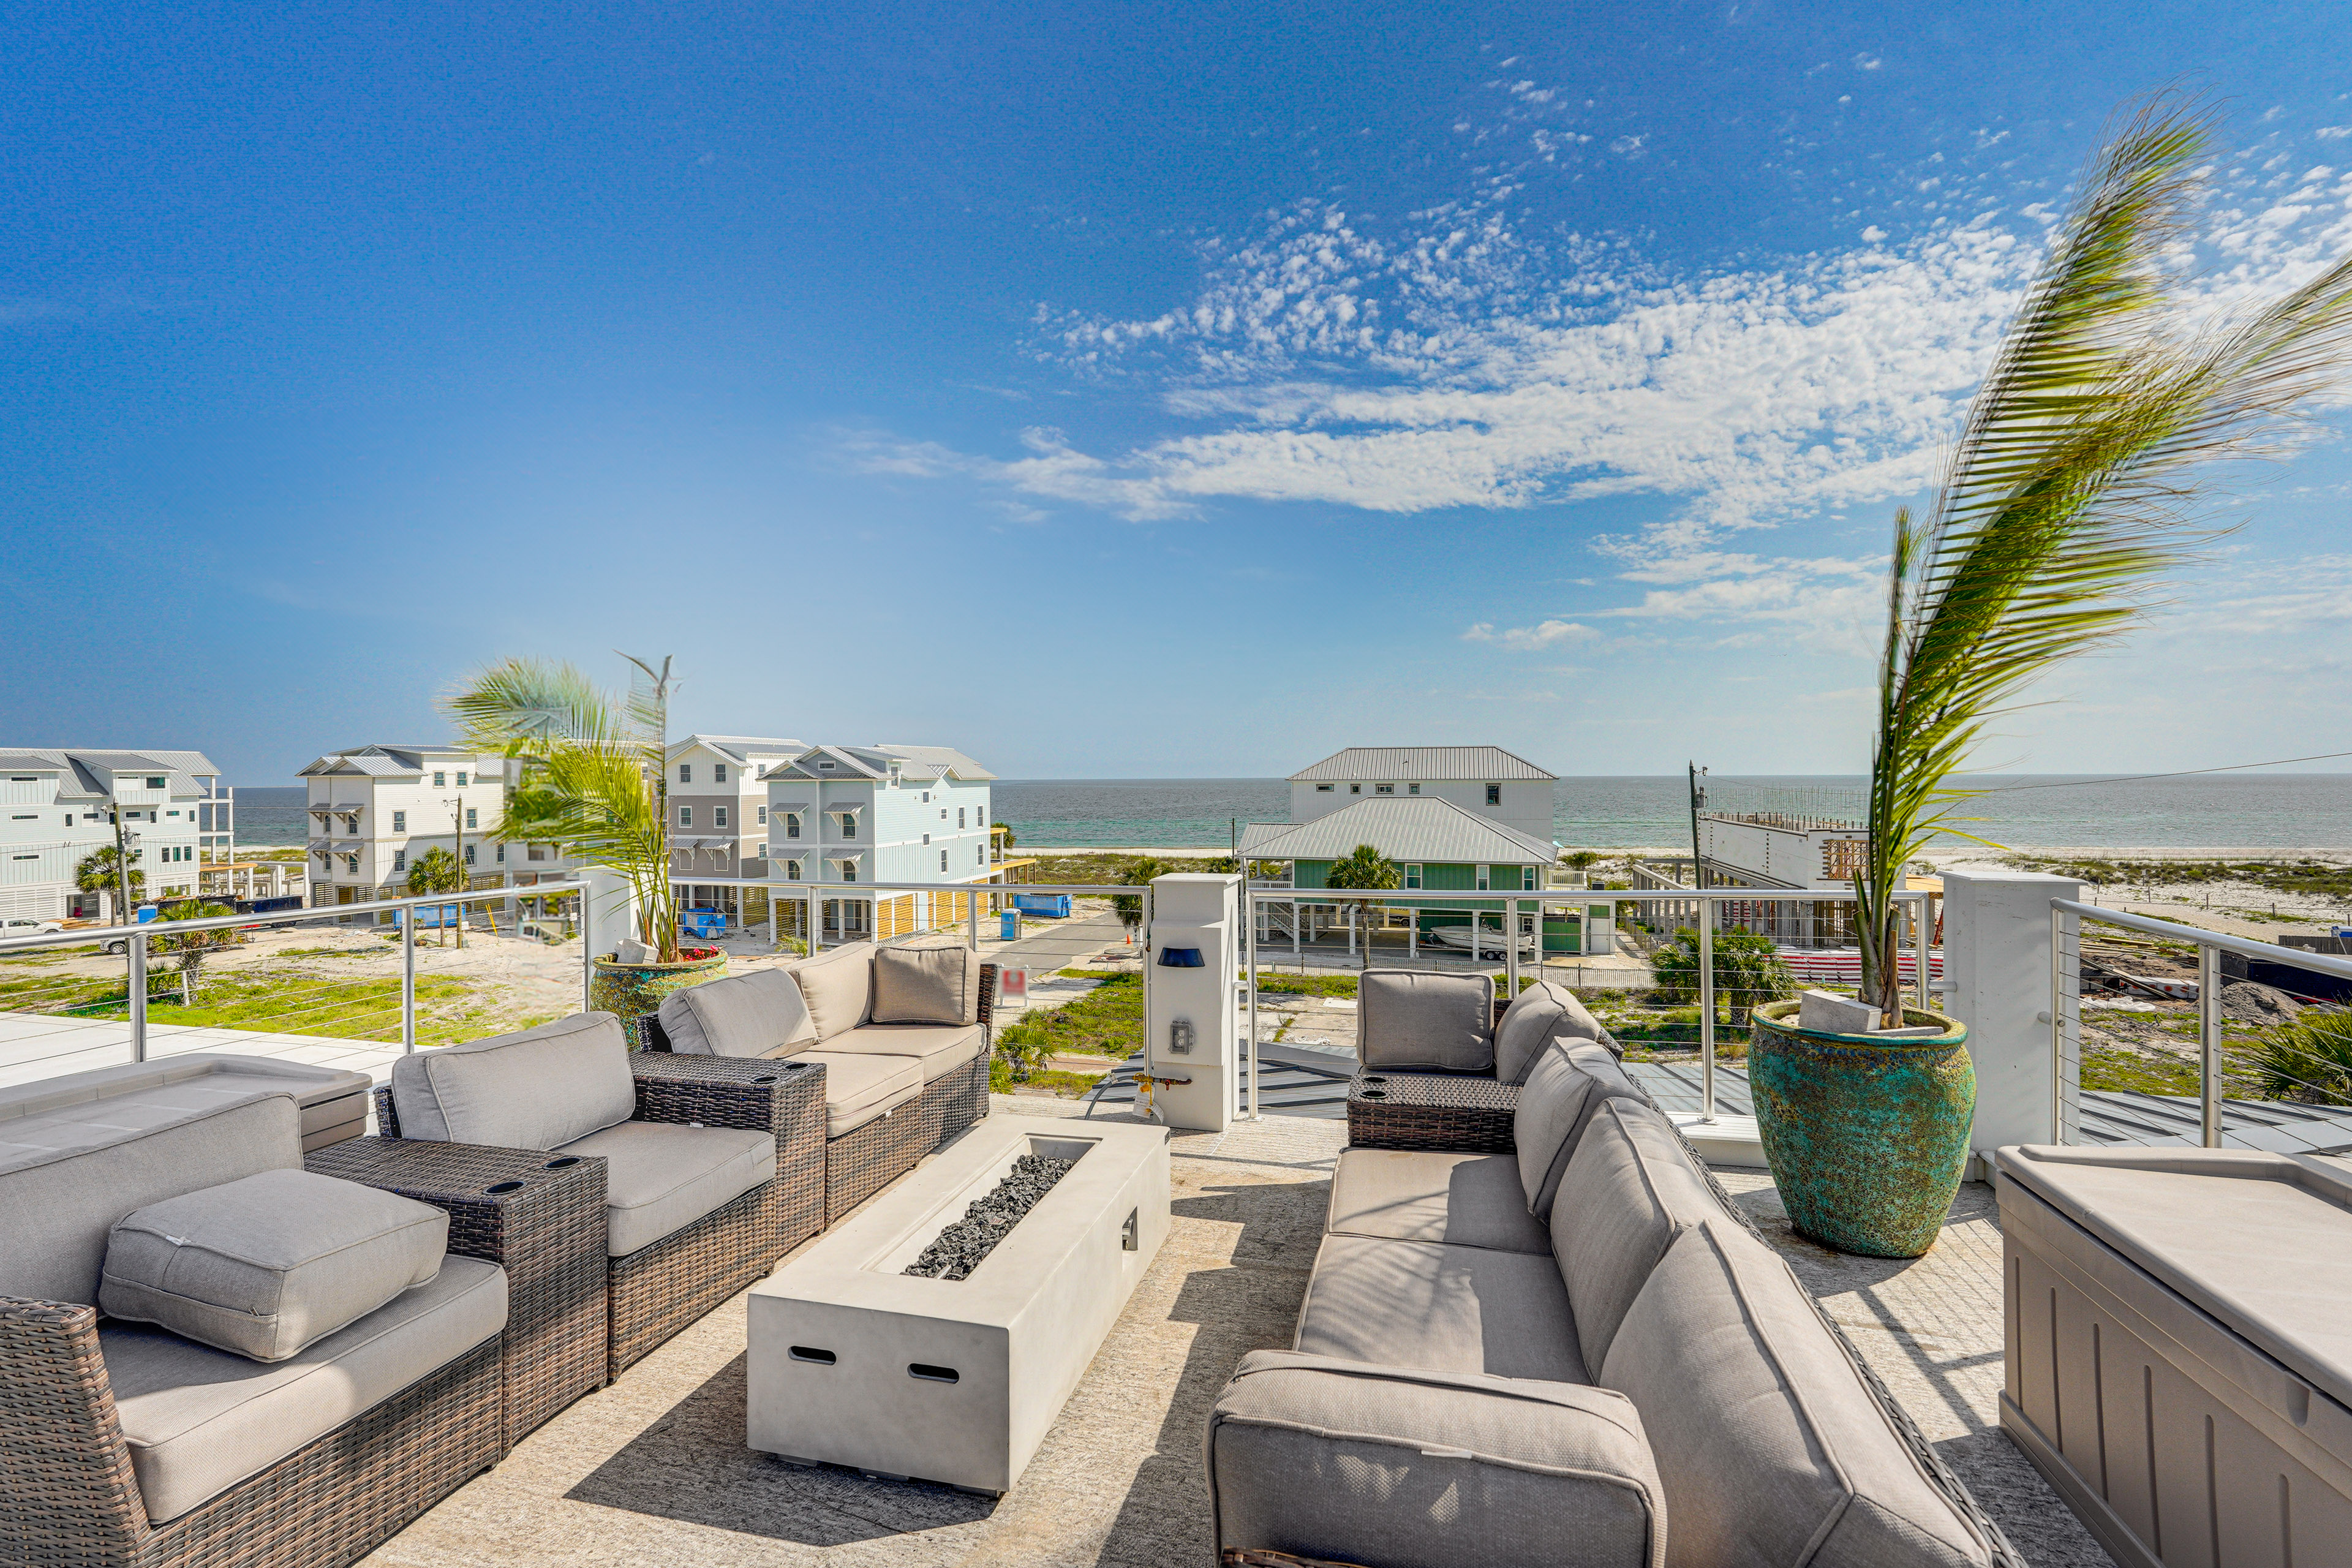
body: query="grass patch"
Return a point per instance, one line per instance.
(1106, 1022)
(2320, 879)
(330, 951)
(1068, 1085)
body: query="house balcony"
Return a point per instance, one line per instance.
(655, 1469)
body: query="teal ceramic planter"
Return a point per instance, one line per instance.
(633, 990)
(1867, 1137)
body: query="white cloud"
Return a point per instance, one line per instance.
(1867, 62)
(2333, 133)
(1543, 634)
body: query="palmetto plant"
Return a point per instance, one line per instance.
(2073, 483)
(100, 871)
(190, 948)
(593, 772)
(1129, 906)
(436, 871)
(1365, 870)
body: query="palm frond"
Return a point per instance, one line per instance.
(2075, 482)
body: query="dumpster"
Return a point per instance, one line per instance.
(707, 924)
(1051, 906)
(1008, 925)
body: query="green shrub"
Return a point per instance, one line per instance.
(1748, 971)
(2309, 1060)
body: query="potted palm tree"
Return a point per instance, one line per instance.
(2073, 485)
(593, 778)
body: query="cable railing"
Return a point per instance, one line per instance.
(1707, 906)
(218, 975)
(2210, 1058)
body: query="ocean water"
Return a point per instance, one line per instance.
(2248, 810)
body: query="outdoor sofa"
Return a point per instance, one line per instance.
(211, 1356)
(1575, 1350)
(706, 1182)
(2179, 1346)
(1442, 1056)
(99, 1106)
(900, 1033)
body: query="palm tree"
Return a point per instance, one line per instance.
(1582, 860)
(436, 871)
(1365, 868)
(193, 946)
(594, 772)
(100, 871)
(2073, 483)
(1130, 905)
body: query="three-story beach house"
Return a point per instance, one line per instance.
(58, 807)
(718, 812)
(857, 815)
(375, 810)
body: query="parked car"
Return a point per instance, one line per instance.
(24, 926)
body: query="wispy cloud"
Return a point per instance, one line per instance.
(1544, 633)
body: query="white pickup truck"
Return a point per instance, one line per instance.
(24, 925)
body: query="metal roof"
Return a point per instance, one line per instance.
(373, 764)
(941, 760)
(917, 764)
(1403, 827)
(22, 761)
(1423, 762)
(89, 774)
(739, 748)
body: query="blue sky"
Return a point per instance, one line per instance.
(1108, 391)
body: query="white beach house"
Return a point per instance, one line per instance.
(57, 806)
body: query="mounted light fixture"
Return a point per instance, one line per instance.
(1180, 958)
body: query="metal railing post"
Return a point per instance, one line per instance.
(2208, 1045)
(1511, 946)
(138, 988)
(408, 980)
(2057, 1025)
(972, 910)
(1249, 946)
(1920, 933)
(1706, 1009)
(587, 950)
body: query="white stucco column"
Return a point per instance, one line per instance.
(608, 914)
(1996, 959)
(1199, 1067)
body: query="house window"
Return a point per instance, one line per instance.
(461, 780)
(1527, 878)
(400, 859)
(685, 815)
(826, 765)
(927, 838)
(792, 870)
(1325, 789)
(763, 816)
(943, 859)
(717, 816)
(960, 811)
(536, 852)
(686, 772)
(502, 856)
(719, 772)
(352, 863)
(1355, 789)
(1384, 789)
(469, 816)
(849, 871)
(792, 825)
(1485, 879)
(440, 781)
(1413, 789)
(400, 822)
(155, 784)
(926, 800)
(469, 854)
(1413, 876)
(848, 825)
(760, 853)
(979, 854)
(1493, 795)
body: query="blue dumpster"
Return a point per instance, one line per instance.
(1051, 906)
(706, 923)
(1008, 925)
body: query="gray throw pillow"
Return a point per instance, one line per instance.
(1544, 1011)
(760, 1014)
(926, 986)
(839, 987)
(267, 1266)
(1408, 1019)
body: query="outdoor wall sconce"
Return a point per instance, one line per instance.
(1180, 958)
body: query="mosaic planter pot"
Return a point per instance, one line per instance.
(633, 990)
(1866, 1136)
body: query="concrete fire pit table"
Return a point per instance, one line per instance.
(854, 1361)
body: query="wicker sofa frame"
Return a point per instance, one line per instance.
(865, 1160)
(1419, 1111)
(656, 1291)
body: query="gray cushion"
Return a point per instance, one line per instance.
(927, 985)
(1410, 1018)
(940, 1048)
(199, 1420)
(1545, 1011)
(55, 1212)
(1629, 1190)
(1769, 1448)
(660, 1176)
(1568, 1080)
(83, 1110)
(1451, 1308)
(760, 1014)
(1420, 1194)
(839, 987)
(860, 1088)
(1390, 1467)
(269, 1265)
(535, 1089)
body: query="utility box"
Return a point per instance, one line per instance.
(1192, 1033)
(1600, 930)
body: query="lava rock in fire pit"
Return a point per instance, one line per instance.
(956, 1250)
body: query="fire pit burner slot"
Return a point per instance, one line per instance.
(931, 1373)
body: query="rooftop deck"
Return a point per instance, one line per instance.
(653, 1468)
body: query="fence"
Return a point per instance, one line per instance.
(2311, 1070)
(59, 999)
